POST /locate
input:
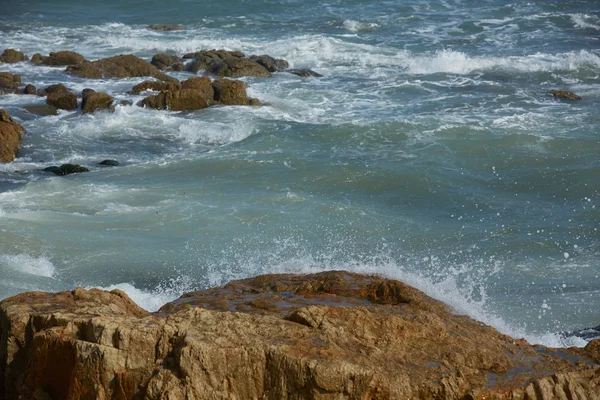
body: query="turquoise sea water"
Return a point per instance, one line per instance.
(429, 151)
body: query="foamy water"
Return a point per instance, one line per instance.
(429, 151)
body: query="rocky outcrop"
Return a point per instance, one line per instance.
(167, 62)
(12, 56)
(122, 66)
(225, 63)
(58, 58)
(230, 92)
(270, 63)
(10, 137)
(177, 100)
(156, 86)
(9, 82)
(333, 335)
(564, 94)
(93, 101)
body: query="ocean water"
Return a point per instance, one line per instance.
(429, 151)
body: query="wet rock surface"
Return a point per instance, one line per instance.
(10, 137)
(94, 101)
(332, 335)
(12, 56)
(66, 169)
(564, 94)
(58, 58)
(122, 66)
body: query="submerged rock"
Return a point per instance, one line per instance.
(156, 86)
(333, 335)
(10, 137)
(12, 56)
(166, 27)
(564, 94)
(122, 66)
(94, 101)
(304, 73)
(66, 169)
(109, 163)
(41, 109)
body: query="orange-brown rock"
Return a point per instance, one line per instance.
(10, 137)
(58, 58)
(64, 101)
(333, 335)
(93, 101)
(564, 94)
(177, 100)
(12, 56)
(121, 66)
(230, 92)
(202, 83)
(9, 81)
(155, 85)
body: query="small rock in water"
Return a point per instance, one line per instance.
(41, 109)
(109, 163)
(304, 73)
(165, 27)
(66, 169)
(564, 94)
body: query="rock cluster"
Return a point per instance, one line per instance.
(12, 56)
(233, 64)
(121, 66)
(10, 137)
(333, 335)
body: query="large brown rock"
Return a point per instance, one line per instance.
(93, 101)
(64, 101)
(164, 61)
(9, 81)
(177, 100)
(12, 56)
(121, 66)
(202, 83)
(59, 58)
(156, 86)
(10, 137)
(333, 335)
(230, 92)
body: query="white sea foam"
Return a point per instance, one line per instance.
(38, 266)
(360, 26)
(586, 21)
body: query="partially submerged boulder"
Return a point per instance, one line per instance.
(93, 101)
(304, 73)
(66, 169)
(12, 56)
(229, 92)
(270, 63)
(41, 109)
(156, 86)
(58, 58)
(10, 137)
(564, 94)
(64, 101)
(177, 100)
(332, 335)
(121, 66)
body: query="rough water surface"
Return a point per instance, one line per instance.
(430, 151)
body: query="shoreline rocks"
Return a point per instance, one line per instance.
(121, 66)
(329, 335)
(10, 137)
(12, 56)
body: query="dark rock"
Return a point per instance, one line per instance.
(155, 85)
(253, 102)
(66, 169)
(587, 333)
(109, 163)
(304, 73)
(64, 101)
(10, 137)
(230, 92)
(164, 61)
(177, 100)
(225, 63)
(30, 89)
(270, 63)
(12, 56)
(41, 109)
(57, 88)
(122, 66)
(125, 103)
(564, 94)
(178, 67)
(85, 92)
(60, 58)
(166, 27)
(94, 101)
(9, 81)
